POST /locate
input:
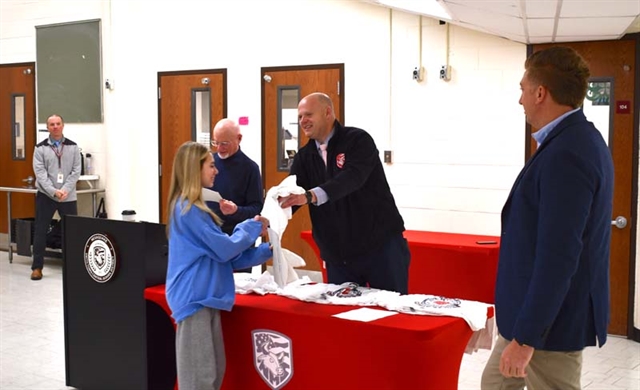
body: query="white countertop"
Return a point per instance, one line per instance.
(89, 177)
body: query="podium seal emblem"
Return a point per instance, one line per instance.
(100, 258)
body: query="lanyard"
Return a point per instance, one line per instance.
(58, 154)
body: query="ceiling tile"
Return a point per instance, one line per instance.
(488, 21)
(583, 38)
(580, 20)
(593, 26)
(502, 7)
(540, 27)
(598, 8)
(540, 39)
(540, 8)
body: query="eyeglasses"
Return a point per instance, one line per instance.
(217, 144)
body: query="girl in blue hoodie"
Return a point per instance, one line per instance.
(201, 263)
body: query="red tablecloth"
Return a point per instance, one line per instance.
(447, 264)
(397, 352)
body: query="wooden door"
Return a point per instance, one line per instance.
(615, 61)
(17, 137)
(282, 89)
(183, 116)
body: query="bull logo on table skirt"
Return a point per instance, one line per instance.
(272, 357)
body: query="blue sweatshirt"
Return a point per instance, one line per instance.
(202, 259)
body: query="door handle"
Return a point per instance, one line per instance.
(620, 222)
(29, 180)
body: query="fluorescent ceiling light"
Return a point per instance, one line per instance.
(424, 7)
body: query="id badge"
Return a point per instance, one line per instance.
(60, 178)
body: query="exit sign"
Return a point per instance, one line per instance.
(623, 107)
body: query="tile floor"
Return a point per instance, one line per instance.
(32, 338)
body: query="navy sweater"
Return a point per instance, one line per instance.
(239, 181)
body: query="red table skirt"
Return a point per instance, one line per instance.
(397, 352)
(447, 264)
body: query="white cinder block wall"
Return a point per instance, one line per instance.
(451, 172)
(457, 145)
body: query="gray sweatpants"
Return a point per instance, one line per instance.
(200, 355)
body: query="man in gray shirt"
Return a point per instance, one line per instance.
(56, 163)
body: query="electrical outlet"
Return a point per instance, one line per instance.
(387, 156)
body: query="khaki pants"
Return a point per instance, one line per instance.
(547, 370)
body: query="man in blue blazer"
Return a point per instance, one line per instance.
(552, 289)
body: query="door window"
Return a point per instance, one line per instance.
(597, 107)
(201, 115)
(18, 137)
(288, 97)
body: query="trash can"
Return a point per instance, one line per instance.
(24, 231)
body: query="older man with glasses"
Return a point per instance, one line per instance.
(238, 181)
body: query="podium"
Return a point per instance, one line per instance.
(114, 338)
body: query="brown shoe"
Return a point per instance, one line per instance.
(36, 274)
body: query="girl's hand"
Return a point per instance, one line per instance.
(265, 224)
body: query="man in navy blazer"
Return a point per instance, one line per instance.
(552, 289)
